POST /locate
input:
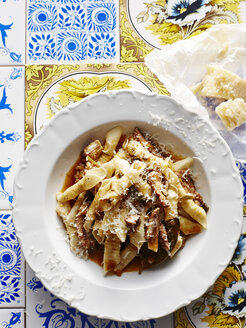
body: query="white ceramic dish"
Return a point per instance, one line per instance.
(164, 288)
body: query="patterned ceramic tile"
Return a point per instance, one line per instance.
(242, 169)
(72, 31)
(12, 318)
(45, 310)
(49, 88)
(11, 129)
(12, 32)
(12, 268)
(224, 304)
(148, 24)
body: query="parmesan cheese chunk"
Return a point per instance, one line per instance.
(232, 113)
(221, 83)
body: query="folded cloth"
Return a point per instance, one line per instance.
(183, 64)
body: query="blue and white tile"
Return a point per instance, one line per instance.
(101, 46)
(101, 17)
(46, 310)
(12, 318)
(12, 266)
(12, 32)
(104, 1)
(242, 169)
(11, 130)
(72, 16)
(71, 46)
(72, 31)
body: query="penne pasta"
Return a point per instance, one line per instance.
(182, 164)
(111, 140)
(98, 232)
(189, 226)
(130, 202)
(63, 209)
(172, 210)
(126, 256)
(68, 215)
(195, 211)
(90, 179)
(152, 229)
(177, 246)
(111, 255)
(114, 223)
(137, 238)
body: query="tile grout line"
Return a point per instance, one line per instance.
(11, 65)
(24, 124)
(10, 210)
(26, 28)
(12, 308)
(25, 264)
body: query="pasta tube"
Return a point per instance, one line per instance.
(185, 163)
(111, 255)
(89, 180)
(111, 140)
(126, 256)
(68, 215)
(195, 211)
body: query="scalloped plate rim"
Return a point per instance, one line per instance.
(24, 166)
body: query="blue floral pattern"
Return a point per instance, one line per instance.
(59, 314)
(42, 17)
(3, 193)
(13, 321)
(16, 73)
(34, 284)
(68, 1)
(240, 252)
(105, 1)
(4, 29)
(10, 261)
(71, 30)
(235, 299)
(42, 46)
(10, 258)
(7, 136)
(184, 12)
(102, 46)
(72, 16)
(242, 169)
(14, 136)
(71, 46)
(101, 18)
(3, 101)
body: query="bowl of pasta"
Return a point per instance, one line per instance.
(131, 207)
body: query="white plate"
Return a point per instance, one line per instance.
(164, 288)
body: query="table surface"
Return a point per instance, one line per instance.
(48, 50)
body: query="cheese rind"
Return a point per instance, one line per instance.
(232, 113)
(221, 83)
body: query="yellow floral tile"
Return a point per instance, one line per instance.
(149, 24)
(224, 304)
(133, 47)
(50, 88)
(181, 320)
